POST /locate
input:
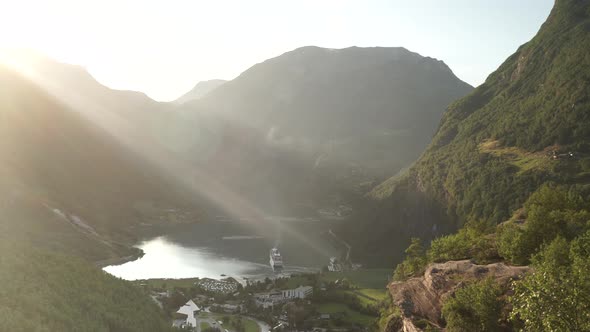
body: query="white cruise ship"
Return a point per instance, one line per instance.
(276, 261)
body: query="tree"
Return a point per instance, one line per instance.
(475, 307)
(414, 263)
(555, 297)
(551, 211)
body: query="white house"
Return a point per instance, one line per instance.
(189, 309)
(298, 293)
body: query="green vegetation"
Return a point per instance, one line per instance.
(348, 303)
(475, 240)
(362, 278)
(251, 326)
(41, 291)
(475, 307)
(237, 323)
(204, 326)
(79, 189)
(554, 297)
(413, 264)
(368, 296)
(496, 146)
(167, 284)
(345, 313)
(524, 160)
(552, 211)
(553, 232)
(234, 323)
(296, 281)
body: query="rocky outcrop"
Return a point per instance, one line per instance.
(423, 297)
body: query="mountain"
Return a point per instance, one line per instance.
(509, 166)
(44, 291)
(202, 88)
(289, 133)
(527, 125)
(304, 131)
(70, 81)
(69, 184)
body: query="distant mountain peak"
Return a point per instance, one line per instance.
(199, 90)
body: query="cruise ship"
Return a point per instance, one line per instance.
(276, 261)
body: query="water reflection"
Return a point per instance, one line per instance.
(165, 259)
(212, 248)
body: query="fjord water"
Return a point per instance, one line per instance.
(230, 247)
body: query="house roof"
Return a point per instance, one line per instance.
(189, 308)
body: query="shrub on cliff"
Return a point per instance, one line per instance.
(476, 307)
(555, 296)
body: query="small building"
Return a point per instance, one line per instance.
(334, 265)
(230, 308)
(189, 309)
(300, 292)
(268, 300)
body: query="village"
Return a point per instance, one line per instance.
(319, 302)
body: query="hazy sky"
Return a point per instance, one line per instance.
(164, 47)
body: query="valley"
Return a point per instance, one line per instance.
(319, 189)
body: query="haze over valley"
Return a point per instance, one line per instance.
(348, 188)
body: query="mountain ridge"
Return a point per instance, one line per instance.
(494, 147)
(199, 90)
(323, 107)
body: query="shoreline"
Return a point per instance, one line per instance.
(114, 261)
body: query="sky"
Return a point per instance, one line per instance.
(163, 48)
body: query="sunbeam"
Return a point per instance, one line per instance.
(201, 184)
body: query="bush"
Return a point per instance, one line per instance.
(552, 211)
(472, 241)
(511, 244)
(555, 296)
(475, 307)
(414, 263)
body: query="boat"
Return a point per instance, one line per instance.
(276, 261)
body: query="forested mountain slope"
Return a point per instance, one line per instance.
(509, 165)
(43, 291)
(528, 124)
(67, 183)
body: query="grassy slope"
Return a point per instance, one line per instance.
(363, 278)
(249, 324)
(369, 296)
(349, 314)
